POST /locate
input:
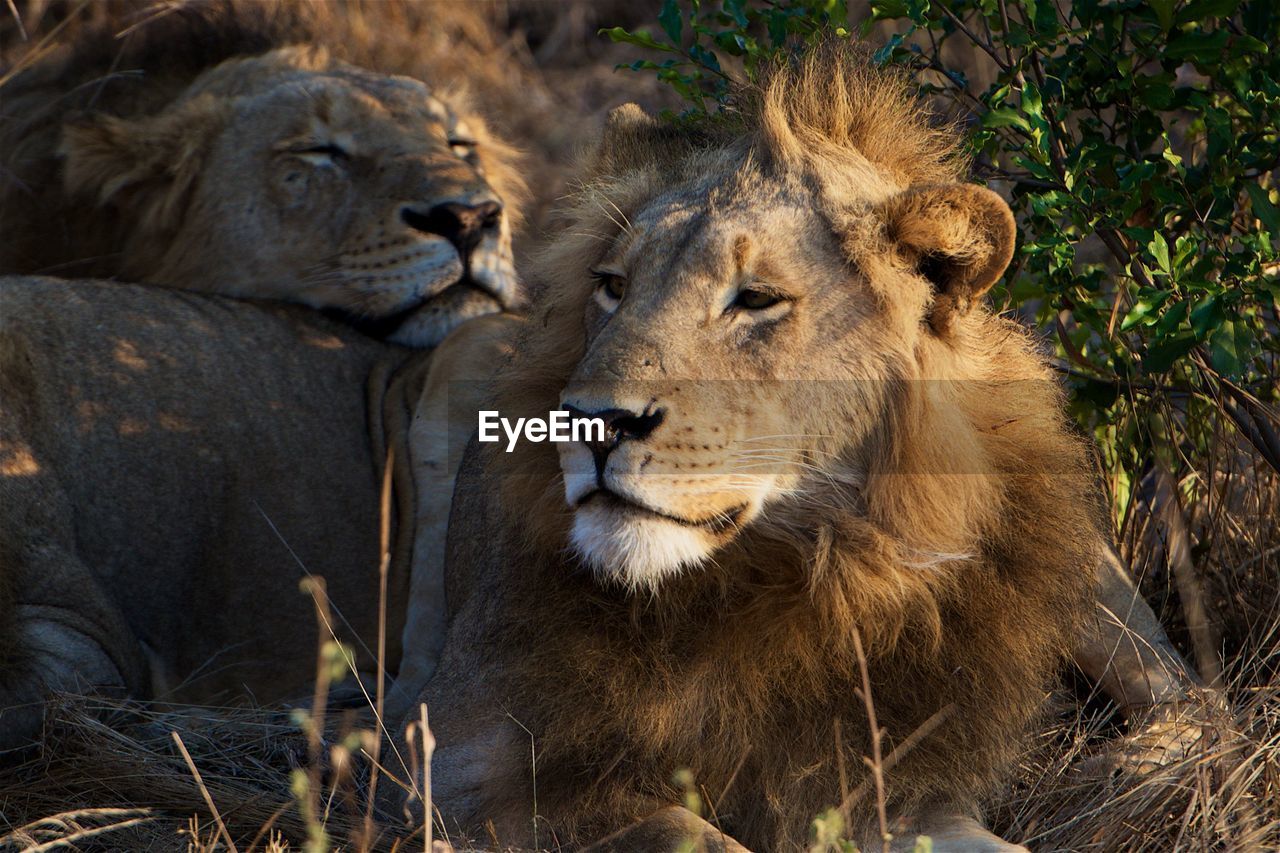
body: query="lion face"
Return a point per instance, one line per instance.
(741, 343)
(709, 335)
(290, 176)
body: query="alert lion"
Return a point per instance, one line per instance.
(173, 464)
(822, 448)
(206, 151)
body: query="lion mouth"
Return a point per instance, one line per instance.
(717, 524)
(384, 326)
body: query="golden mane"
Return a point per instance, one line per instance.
(818, 108)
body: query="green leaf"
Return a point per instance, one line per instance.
(1227, 347)
(1263, 209)
(1006, 117)
(1197, 45)
(1144, 310)
(737, 10)
(1159, 250)
(1172, 319)
(672, 20)
(1162, 355)
(1207, 316)
(705, 58)
(884, 10)
(1032, 103)
(1164, 12)
(640, 38)
(886, 53)
(1198, 10)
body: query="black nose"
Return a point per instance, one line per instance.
(619, 425)
(461, 224)
(623, 424)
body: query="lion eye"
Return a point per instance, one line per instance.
(320, 155)
(464, 148)
(756, 300)
(610, 285)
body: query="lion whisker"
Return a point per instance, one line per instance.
(624, 228)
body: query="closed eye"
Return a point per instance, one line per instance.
(321, 155)
(329, 149)
(464, 148)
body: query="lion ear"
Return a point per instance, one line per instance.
(632, 139)
(627, 120)
(147, 165)
(960, 237)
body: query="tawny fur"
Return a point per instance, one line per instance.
(106, 144)
(961, 551)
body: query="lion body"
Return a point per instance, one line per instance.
(172, 466)
(868, 466)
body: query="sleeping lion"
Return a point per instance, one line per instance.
(283, 174)
(172, 463)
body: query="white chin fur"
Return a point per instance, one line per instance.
(634, 550)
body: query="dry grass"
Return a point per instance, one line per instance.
(100, 757)
(1076, 790)
(111, 775)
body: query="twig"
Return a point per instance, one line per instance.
(204, 792)
(71, 840)
(17, 19)
(1178, 553)
(733, 777)
(428, 749)
(986, 46)
(874, 762)
(384, 567)
(315, 725)
(844, 776)
(895, 755)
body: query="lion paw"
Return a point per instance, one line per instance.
(1166, 735)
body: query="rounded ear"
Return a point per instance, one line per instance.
(626, 120)
(625, 141)
(147, 164)
(960, 237)
(634, 140)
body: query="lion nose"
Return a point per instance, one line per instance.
(622, 424)
(463, 225)
(619, 425)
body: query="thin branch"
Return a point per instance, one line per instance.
(875, 762)
(987, 47)
(204, 792)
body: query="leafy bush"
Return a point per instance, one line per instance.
(1139, 146)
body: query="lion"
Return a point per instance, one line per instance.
(826, 466)
(173, 464)
(208, 152)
